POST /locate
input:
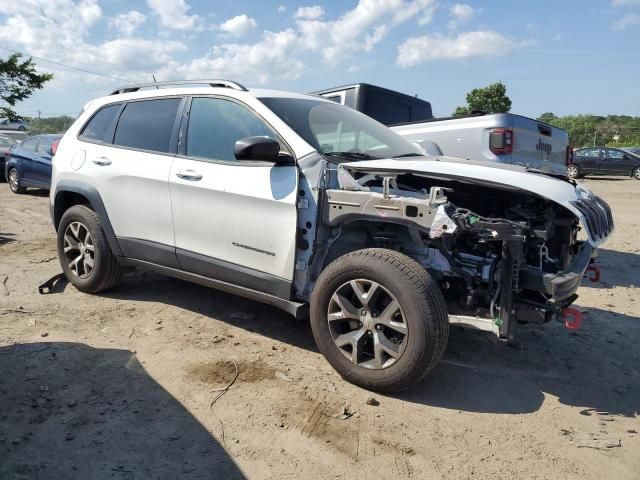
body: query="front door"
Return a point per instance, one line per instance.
(42, 162)
(234, 220)
(616, 162)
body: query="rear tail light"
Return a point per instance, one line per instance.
(54, 147)
(569, 158)
(501, 141)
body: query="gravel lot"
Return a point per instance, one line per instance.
(126, 385)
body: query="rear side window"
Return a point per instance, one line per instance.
(147, 125)
(45, 144)
(100, 124)
(592, 153)
(215, 125)
(29, 145)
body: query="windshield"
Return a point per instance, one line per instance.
(340, 133)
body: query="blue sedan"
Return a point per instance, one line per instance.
(29, 162)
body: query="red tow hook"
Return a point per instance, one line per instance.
(596, 273)
(572, 318)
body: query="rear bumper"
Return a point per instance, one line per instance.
(562, 285)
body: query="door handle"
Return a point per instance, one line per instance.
(189, 174)
(102, 161)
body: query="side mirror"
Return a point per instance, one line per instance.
(257, 148)
(625, 157)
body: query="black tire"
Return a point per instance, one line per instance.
(15, 185)
(21, 128)
(422, 305)
(106, 269)
(636, 173)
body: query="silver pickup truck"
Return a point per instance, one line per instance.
(497, 137)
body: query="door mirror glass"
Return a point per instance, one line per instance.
(257, 148)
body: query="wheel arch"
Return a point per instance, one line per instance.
(69, 193)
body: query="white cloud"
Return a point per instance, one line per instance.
(257, 62)
(127, 23)
(54, 29)
(460, 13)
(427, 14)
(625, 3)
(238, 25)
(282, 9)
(464, 45)
(629, 20)
(314, 12)
(174, 14)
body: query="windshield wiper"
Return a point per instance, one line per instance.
(412, 154)
(358, 155)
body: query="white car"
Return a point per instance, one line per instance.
(299, 202)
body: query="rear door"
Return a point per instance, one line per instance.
(42, 162)
(234, 220)
(129, 150)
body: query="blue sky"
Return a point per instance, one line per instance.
(565, 56)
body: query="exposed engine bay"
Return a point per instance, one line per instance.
(501, 255)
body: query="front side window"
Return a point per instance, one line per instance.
(615, 154)
(147, 124)
(99, 126)
(216, 124)
(340, 132)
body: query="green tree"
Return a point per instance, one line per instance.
(491, 99)
(18, 80)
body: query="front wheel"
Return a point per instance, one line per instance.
(636, 173)
(84, 253)
(379, 319)
(14, 182)
(573, 171)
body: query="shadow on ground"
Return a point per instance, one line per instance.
(621, 269)
(596, 368)
(75, 412)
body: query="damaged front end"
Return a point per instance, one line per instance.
(501, 254)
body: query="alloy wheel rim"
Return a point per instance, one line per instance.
(637, 173)
(79, 249)
(572, 171)
(13, 180)
(367, 324)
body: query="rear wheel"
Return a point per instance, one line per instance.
(573, 171)
(84, 253)
(14, 182)
(379, 319)
(636, 173)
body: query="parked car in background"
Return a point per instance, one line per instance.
(29, 163)
(604, 161)
(6, 143)
(17, 135)
(502, 138)
(20, 125)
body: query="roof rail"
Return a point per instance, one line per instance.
(134, 87)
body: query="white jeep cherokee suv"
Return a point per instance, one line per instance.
(296, 201)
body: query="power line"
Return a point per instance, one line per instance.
(67, 66)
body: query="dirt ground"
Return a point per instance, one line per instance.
(126, 385)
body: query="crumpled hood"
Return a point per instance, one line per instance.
(590, 210)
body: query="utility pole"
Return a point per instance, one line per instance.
(595, 135)
(39, 114)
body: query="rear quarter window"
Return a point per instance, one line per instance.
(97, 129)
(147, 124)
